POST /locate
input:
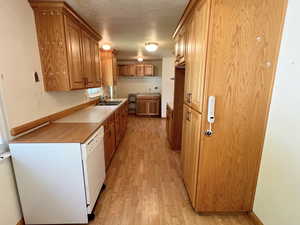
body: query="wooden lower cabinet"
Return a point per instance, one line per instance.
(109, 139)
(148, 106)
(190, 150)
(114, 130)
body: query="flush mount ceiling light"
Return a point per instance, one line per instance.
(140, 59)
(151, 46)
(106, 47)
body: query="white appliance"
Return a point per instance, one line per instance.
(59, 183)
(93, 167)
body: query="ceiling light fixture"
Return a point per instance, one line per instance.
(106, 47)
(140, 59)
(151, 46)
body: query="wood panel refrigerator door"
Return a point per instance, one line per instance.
(88, 59)
(189, 62)
(199, 49)
(230, 158)
(73, 34)
(191, 149)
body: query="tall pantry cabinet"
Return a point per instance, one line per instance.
(231, 49)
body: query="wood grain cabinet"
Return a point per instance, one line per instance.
(148, 70)
(140, 69)
(68, 47)
(121, 122)
(109, 139)
(114, 130)
(232, 56)
(180, 48)
(136, 70)
(148, 106)
(109, 67)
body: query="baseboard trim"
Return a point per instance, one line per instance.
(21, 222)
(255, 219)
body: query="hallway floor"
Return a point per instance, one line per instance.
(144, 185)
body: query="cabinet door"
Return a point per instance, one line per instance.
(114, 69)
(142, 107)
(132, 70)
(148, 70)
(88, 59)
(140, 70)
(53, 49)
(107, 68)
(124, 70)
(73, 33)
(198, 53)
(97, 66)
(153, 107)
(191, 150)
(189, 62)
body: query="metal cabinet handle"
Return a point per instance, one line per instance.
(189, 97)
(188, 116)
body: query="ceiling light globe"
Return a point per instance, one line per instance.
(151, 46)
(106, 47)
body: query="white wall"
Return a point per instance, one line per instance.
(167, 87)
(24, 100)
(278, 191)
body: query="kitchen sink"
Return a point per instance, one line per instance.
(109, 103)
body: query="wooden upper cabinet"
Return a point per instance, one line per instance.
(73, 33)
(148, 70)
(140, 69)
(109, 67)
(180, 47)
(196, 42)
(88, 59)
(67, 47)
(124, 70)
(131, 70)
(136, 70)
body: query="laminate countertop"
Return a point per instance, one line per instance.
(92, 114)
(74, 128)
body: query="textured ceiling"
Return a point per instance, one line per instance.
(128, 24)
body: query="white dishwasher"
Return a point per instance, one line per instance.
(59, 183)
(94, 172)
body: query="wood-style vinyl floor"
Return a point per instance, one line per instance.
(144, 185)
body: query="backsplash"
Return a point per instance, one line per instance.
(137, 85)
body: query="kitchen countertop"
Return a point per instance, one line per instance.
(148, 94)
(60, 133)
(92, 114)
(74, 128)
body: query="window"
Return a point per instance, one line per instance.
(94, 92)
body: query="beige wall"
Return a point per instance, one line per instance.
(24, 100)
(278, 191)
(167, 89)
